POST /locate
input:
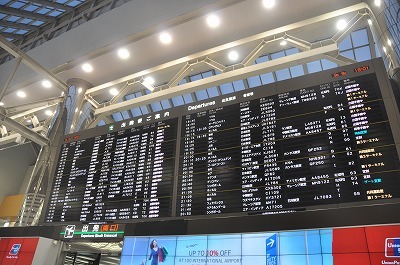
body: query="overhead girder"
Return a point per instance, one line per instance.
(26, 14)
(17, 25)
(53, 4)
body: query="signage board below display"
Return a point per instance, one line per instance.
(92, 231)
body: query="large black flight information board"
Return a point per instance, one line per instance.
(276, 148)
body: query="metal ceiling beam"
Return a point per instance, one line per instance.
(22, 130)
(26, 14)
(12, 36)
(31, 63)
(13, 137)
(17, 25)
(29, 106)
(234, 75)
(53, 4)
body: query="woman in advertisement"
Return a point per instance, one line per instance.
(157, 253)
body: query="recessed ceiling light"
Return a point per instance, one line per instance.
(384, 49)
(79, 90)
(87, 67)
(149, 80)
(377, 2)
(21, 94)
(233, 56)
(114, 91)
(1, 103)
(269, 3)
(341, 24)
(165, 38)
(48, 112)
(46, 83)
(123, 53)
(389, 42)
(76, 110)
(283, 43)
(213, 21)
(29, 121)
(369, 22)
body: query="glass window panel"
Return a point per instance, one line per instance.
(125, 114)
(254, 81)
(292, 51)
(212, 92)
(10, 30)
(238, 85)
(156, 106)
(26, 21)
(296, 71)
(74, 3)
(207, 74)
(314, 67)
(21, 31)
(138, 94)
(345, 44)
(183, 81)
(17, 5)
(38, 23)
(267, 78)
(55, 13)
(282, 74)
(348, 54)
(4, 2)
(277, 55)
(43, 11)
(2, 16)
(130, 96)
(195, 77)
(144, 109)
(201, 94)
(363, 53)
(177, 101)
(61, 1)
(136, 112)
(261, 59)
(117, 116)
(101, 123)
(165, 104)
(326, 64)
(188, 98)
(30, 8)
(13, 18)
(359, 37)
(226, 88)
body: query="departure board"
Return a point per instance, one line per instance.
(320, 141)
(325, 144)
(124, 174)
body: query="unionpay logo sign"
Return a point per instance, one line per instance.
(392, 247)
(15, 249)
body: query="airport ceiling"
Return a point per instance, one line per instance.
(244, 25)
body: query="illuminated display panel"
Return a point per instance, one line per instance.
(325, 144)
(124, 174)
(275, 148)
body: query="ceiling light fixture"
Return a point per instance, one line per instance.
(21, 94)
(213, 21)
(165, 38)
(384, 49)
(46, 84)
(87, 67)
(283, 43)
(269, 3)
(149, 80)
(123, 53)
(369, 22)
(341, 24)
(48, 112)
(79, 90)
(114, 91)
(29, 121)
(378, 2)
(233, 56)
(1, 103)
(389, 42)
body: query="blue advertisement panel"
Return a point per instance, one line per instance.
(311, 247)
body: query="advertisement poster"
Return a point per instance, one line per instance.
(339, 246)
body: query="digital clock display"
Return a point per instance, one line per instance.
(361, 69)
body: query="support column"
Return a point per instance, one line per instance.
(77, 106)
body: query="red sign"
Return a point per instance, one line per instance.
(17, 251)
